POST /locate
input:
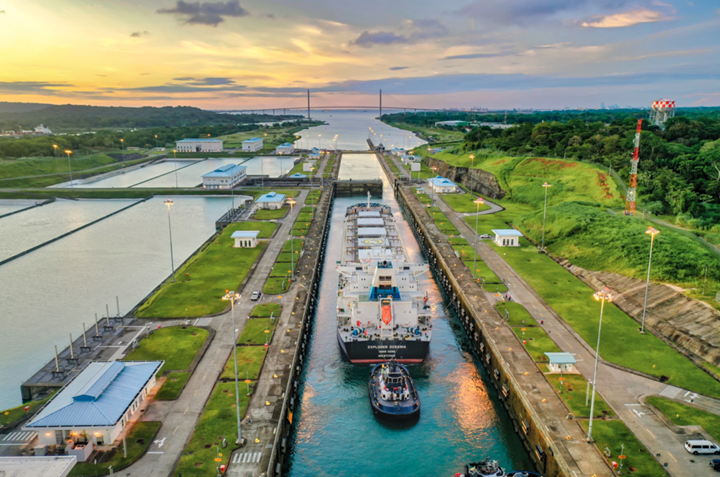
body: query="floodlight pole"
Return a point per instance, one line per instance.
(546, 186)
(652, 233)
(601, 296)
(231, 297)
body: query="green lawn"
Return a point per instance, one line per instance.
(265, 310)
(275, 286)
(9, 415)
(492, 282)
(682, 415)
(296, 245)
(425, 171)
(573, 391)
(538, 343)
(218, 421)
(173, 386)
(287, 257)
(519, 316)
(442, 222)
(299, 232)
(249, 359)
(463, 203)
(281, 269)
(612, 434)
(203, 280)
(254, 331)
(174, 345)
(266, 228)
(622, 343)
(268, 214)
(138, 439)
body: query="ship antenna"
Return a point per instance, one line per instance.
(368, 200)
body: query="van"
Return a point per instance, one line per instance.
(701, 446)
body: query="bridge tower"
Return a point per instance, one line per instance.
(380, 104)
(308, 91)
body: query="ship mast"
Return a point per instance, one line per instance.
(368, 204)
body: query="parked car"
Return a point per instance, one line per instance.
(255, 296)
(485, 236)
(715, 464)
(701, 446)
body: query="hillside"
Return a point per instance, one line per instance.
(7, 107)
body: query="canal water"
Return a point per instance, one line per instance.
(49, 293)
(336, 433)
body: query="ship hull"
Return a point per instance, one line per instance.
(380, 351)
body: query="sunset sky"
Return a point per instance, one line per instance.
(452, 53)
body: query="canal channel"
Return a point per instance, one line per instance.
(335, 431)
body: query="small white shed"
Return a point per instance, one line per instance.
(561, 362)
(245, 238)
(507, 237)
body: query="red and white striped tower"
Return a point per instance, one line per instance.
(632, 189)
(661, 111)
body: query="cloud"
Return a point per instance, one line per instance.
(207, 13)
(528, 12)
(476, 55)
(626, 19)
(34, 87)
(397, 68)
(367, 39)
(206, 81)
(428, 29)
(138, 34)
(424, 29)
(192, 85)
(104, 76)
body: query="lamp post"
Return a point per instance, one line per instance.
(55, 146)
(601, 296)
(68, 152)
(472, 160)
(156, 141)
(477, 201)
(312, 204)
(122, 146)
(169, 202)
(231, 296)
(652, 233)
(319, 140)
(292, 202)
(546, 186)
(432, 188)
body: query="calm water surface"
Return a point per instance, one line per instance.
(336, 433)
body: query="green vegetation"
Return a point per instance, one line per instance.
(573, 389)
(249, 362)
(266, 229)
(492, 282)
(138, 440)
(271, 136)
(265, 310)
(176, 345)
(442, 222)
(217, 422)
(518, 315)
(425, 171)
(281, 269)
(293, 245)
(427, 132)
(275, 285)
(10, 415)
(613, 434)
(173, 386)
(254, 332)
(463, 203)
(682, 415)
(537, 342)
(269, 214)
(203, 280)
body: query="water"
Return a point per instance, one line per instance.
(461, 419)
(49, 221)
(272, 166)
(58, 287)
(359, 167)
(191, 176)
(353, 128)
(7, 206)
(129, 178)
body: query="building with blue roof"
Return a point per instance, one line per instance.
(253, 144)
(297, 175)
(199, 145)
(271, 200)
(225, 177)
(441, 185)
(507, 237)
(95, 406)
(285, 148)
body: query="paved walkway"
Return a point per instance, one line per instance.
(321, 167)
(622, 390)
(180, 417)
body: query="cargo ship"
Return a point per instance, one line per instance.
(382, 313)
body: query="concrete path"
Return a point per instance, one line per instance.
(180, 417)
(399, 165)
(622, 390)
(494, 209)
(321, 167)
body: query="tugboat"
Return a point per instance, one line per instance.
(392, 391)
(523, 473)
(486, 468)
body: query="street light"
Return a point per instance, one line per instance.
(432, 189)
(546, 186)
(477, 201)
(652, 233)
(292, 202)
(68, 152)
(55, 146)
(169, 202)
(472, 159)
(601, 296)
(231, 296)
(312, 204)
(156, 141)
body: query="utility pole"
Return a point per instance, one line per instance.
(308, 93)
(380, 105)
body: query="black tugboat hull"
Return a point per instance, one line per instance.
(381, 351)
(409, 411)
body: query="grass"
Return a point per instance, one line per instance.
(573, 390)
(202, 281)
(271, 137)
(622, 343)
(682, 415)
(173, 386)
(265, 310)
(138, 440)
(282, 269)
(266, 229)
(538, 343)
(275, 286)
(425, 171)
(269, 214)
(612, 434)
(13, 414)
(287, 257)
(518, 315)
(296, 245)
(492, 282)
(442, 222)
(249, 361)
(463, 203)
(432, 135)
(254, 332)
(173, 344)
(218, 421)
(712, 368)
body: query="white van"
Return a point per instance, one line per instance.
(701, 447)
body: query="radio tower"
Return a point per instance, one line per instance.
(632, 189)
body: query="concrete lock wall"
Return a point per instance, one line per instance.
(526, 422)
(359, 188)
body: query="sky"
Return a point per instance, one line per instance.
(242, 54)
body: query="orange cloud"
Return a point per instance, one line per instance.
(626, 19)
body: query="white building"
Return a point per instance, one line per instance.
(253, 144)
(42, 130)
(35, 466)
(199, 145)
(95, 406)
(561, 362)
(245, 238)
(286, 148)
(225, 177)
(271, 200)
(398, 152)
(315, 156)
(440, 185)
(507, 237)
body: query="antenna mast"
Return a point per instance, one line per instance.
(632, 189)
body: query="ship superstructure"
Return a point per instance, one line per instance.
(382, 312)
